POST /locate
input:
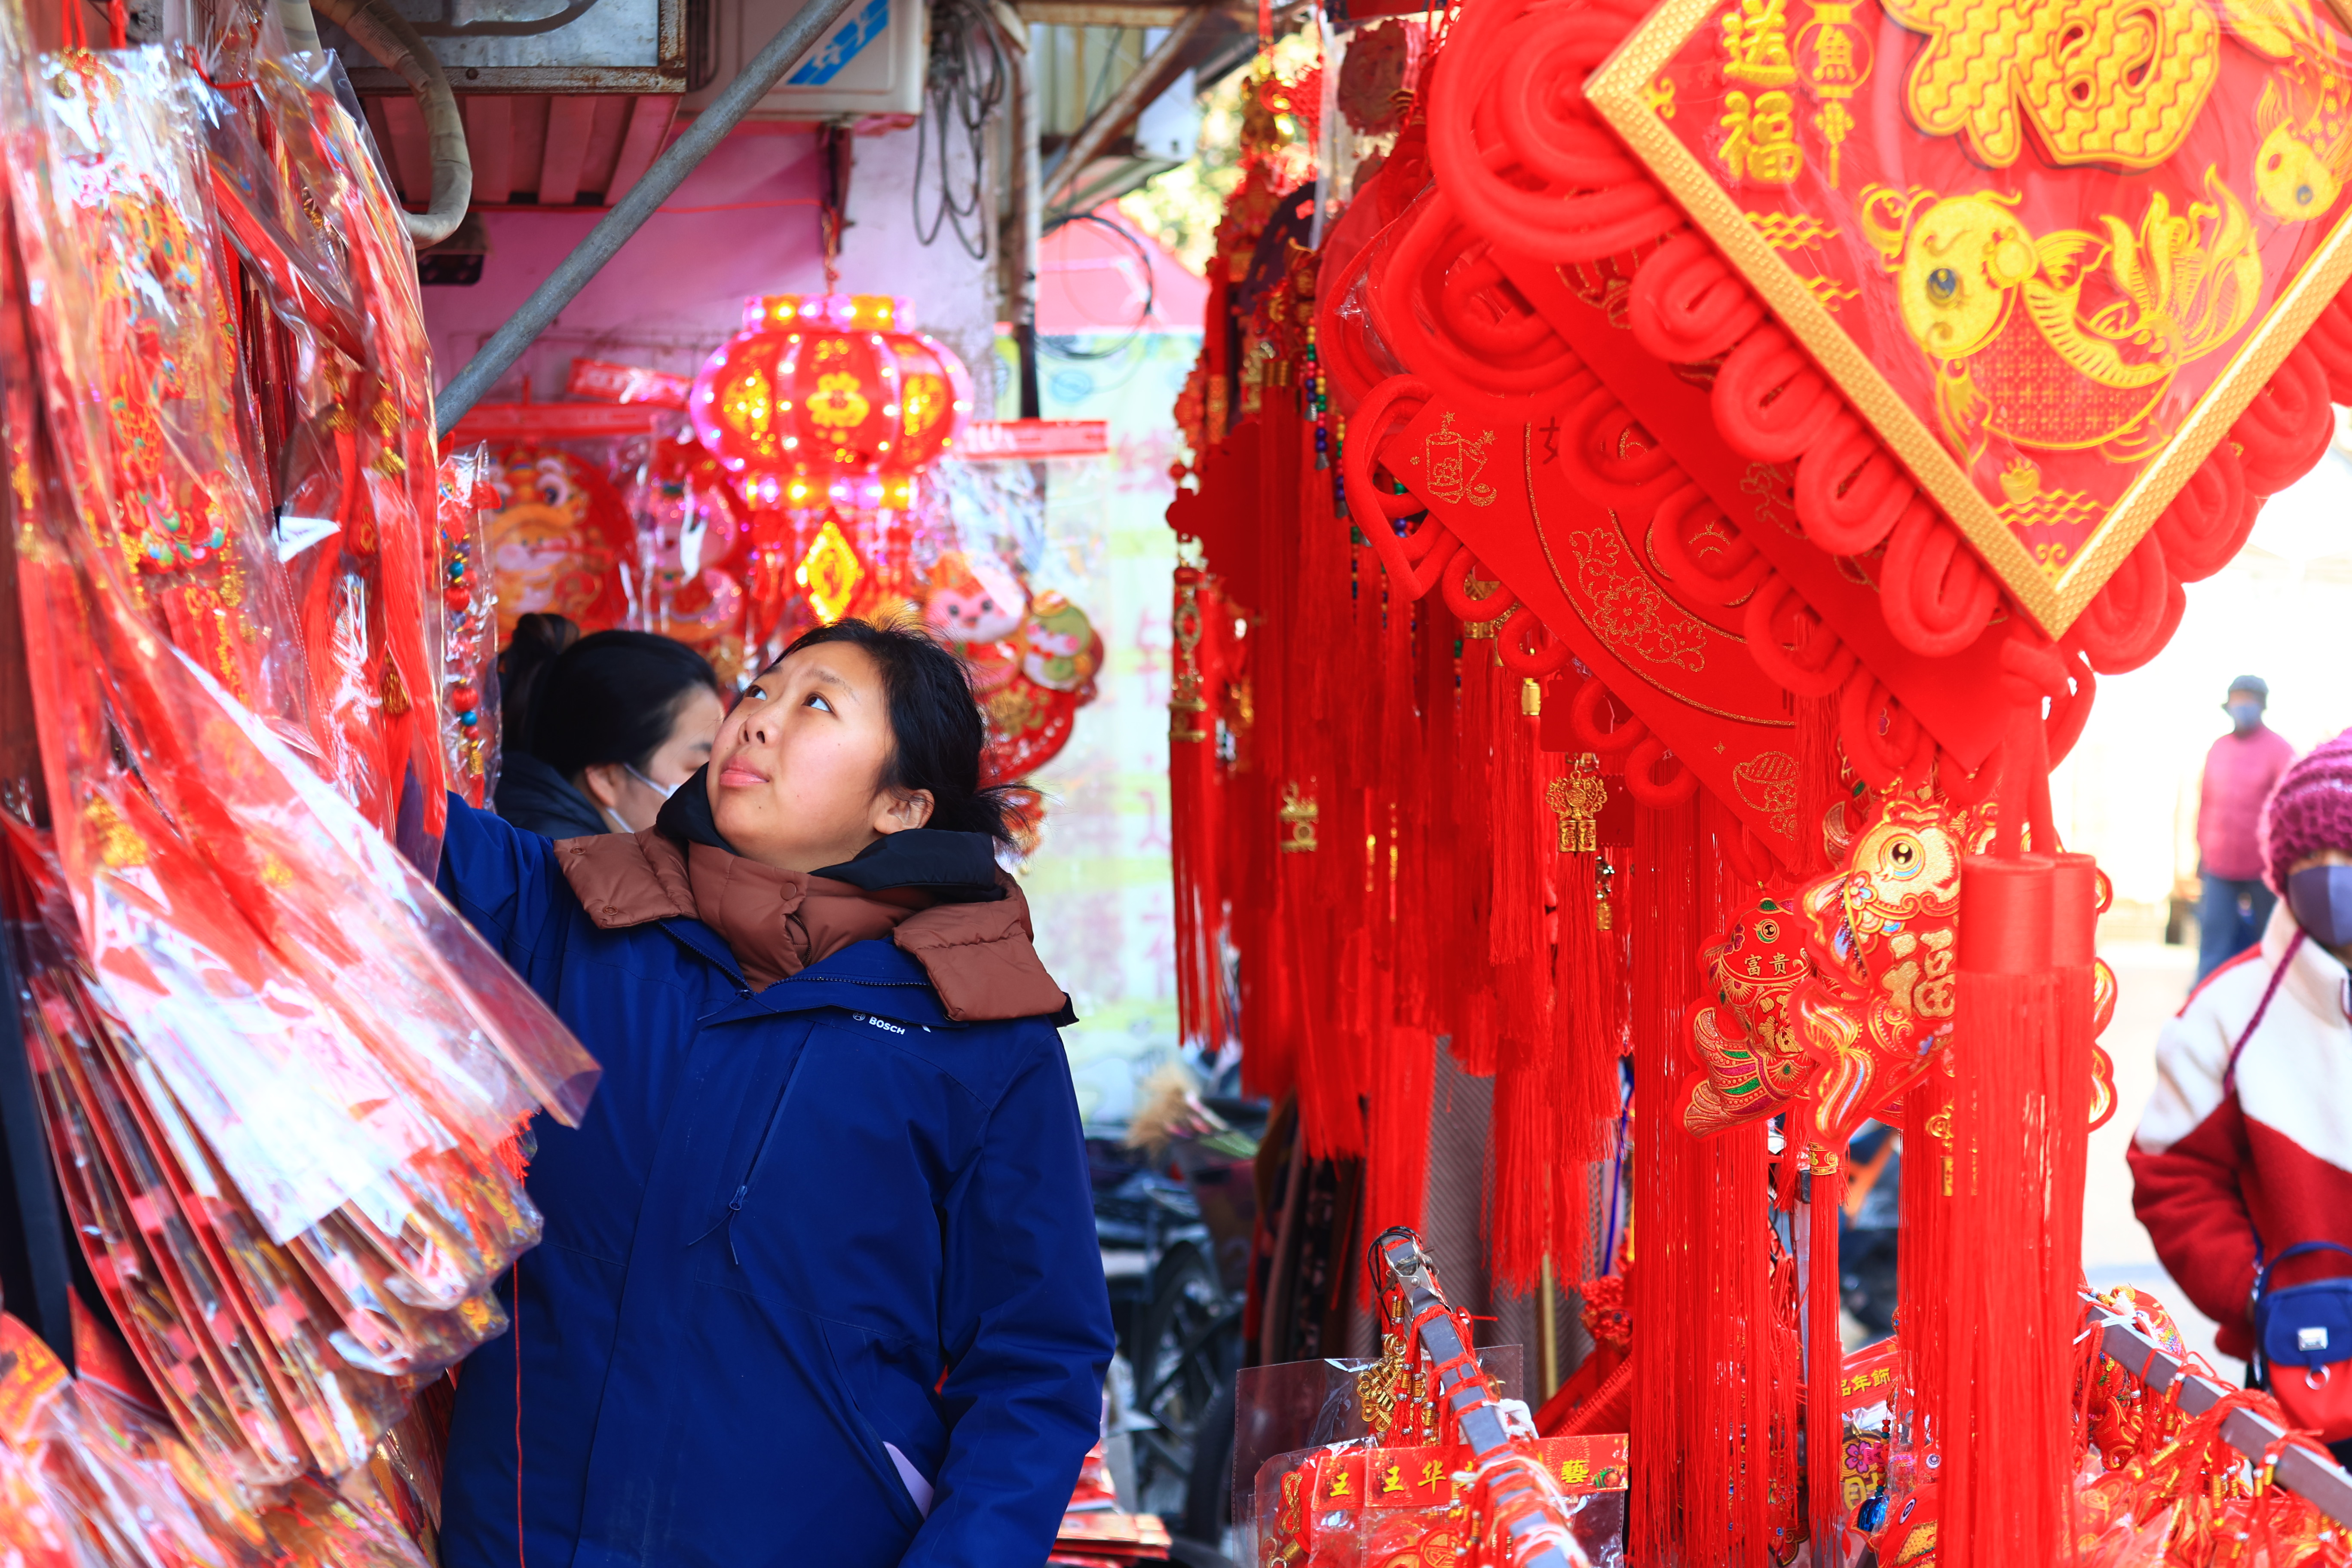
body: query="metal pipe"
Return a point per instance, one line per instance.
(613, 230)
(387, 35)
(1150, 79)
(301, 29)
(1025, 228)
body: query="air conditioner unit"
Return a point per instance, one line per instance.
(869, 63)
(529, 46)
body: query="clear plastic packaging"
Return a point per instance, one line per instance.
(89, 1480)
(469, 626)
(281, 1078)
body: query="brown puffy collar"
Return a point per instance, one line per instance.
(981, 958)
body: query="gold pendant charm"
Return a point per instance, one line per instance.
(1577, 801)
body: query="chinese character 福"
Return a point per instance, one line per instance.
(1762, 145)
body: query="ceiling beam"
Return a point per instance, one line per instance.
(1155, 76)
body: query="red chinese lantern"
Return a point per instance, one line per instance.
(734, 404)
(838, 396)
(934, 399)
(808, 387)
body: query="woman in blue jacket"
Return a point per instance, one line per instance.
(820, 1281)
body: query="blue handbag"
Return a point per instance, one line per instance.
(2303, 1342)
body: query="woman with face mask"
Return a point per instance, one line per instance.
(2246, 1150)
(600, 732)
(820, 1281)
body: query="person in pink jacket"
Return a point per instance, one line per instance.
(2233, 906)
(2245, 1149)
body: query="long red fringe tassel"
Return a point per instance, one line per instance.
(1196, 820)
(1999, 1404)
(1704, 1290)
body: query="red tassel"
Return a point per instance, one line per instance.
(1824, 1354)
(1704, 1294)
(1196, 826)
(1587, 1014)
(1520, 1231)
(1516, 795)
(1922, 1307)
(2010, 1264)
(1398, 1167)
(1817, 777)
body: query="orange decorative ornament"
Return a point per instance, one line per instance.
(1834, 999)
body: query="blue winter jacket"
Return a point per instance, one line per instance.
(815, 1250)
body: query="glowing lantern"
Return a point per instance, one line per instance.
(839, 399)
(809, 387)
(934, 399)
(734, 404)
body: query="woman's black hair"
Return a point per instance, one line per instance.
(935, 723)
(522, 666)
(611, 697)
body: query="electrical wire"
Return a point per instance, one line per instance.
(966, 85)
(1054, 345)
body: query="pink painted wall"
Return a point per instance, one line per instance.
(676, 290)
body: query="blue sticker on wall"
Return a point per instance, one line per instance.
(861, 29)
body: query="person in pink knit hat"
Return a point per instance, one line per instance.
(2245, 1149)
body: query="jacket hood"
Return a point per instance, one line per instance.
(939, 896)
(536, 798)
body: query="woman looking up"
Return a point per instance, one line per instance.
(603, 730)
(820, 1281)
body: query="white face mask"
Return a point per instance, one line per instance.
(665, 791)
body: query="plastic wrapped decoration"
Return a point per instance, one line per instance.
(115, 220)
(360, 496)
(270, 1358)
(239, 860)
(689, 525)
(334, 1058)
(1447, 1471)
(1032, 660)
(559, 539)
(469, 638)
(344, 356)
(88, 1480)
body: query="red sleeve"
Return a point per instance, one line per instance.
(2187, 1198)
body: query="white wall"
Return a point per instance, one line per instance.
(2283, 610)
(675, 291)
